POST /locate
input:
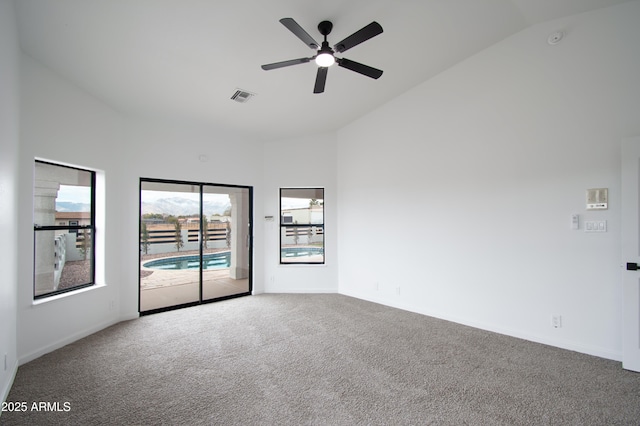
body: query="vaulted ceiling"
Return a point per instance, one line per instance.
(184, 59)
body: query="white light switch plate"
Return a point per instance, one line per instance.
(595, 226)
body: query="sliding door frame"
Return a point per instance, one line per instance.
(201, 230)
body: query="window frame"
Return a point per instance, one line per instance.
(294, 224)
(91, 227)
(250, 243)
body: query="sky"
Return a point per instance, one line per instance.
(74, 194)
(295, 203)
(81, 194)
(151, 196)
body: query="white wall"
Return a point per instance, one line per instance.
(481, 169)
(172, 151)
(305, 162)
(9, 123)
(62, 123)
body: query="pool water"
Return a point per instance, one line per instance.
(300, 251)
(219, 260)
(209, 261)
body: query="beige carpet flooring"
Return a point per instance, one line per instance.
(317, 360)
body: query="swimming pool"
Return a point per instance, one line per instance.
(219, 260)
(209, 261)
(288, 252)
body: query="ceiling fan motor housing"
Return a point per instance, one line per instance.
(325, 28)
(325, 49)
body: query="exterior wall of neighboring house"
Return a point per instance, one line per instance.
(73, 218)
(307, 232)
(305, 215)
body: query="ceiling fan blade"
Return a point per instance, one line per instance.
(295, 28)
(285, 63)
(321, 79)
(364, 34)
(359, 68)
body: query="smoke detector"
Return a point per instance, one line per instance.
(242, 96)
(555, 38)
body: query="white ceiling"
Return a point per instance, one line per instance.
(183, 59)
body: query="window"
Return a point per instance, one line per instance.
(64, 228)
(301, 225)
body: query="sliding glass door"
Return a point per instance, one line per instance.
(195, 243)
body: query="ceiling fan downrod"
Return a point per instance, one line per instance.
(325, 57)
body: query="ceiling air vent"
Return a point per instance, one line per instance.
(242, 96)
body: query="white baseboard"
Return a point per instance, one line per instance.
(6, 387)
(23, 359)
(545, 340)
(301, 290)
(129, 317)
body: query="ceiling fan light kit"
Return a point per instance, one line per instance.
(325, 60)
(325, 56)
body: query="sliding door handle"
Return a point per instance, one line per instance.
(632, 266)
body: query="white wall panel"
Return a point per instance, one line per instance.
(303, 163)
(462, 189)
(9, 136)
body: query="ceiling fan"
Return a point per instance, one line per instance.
(324, 57)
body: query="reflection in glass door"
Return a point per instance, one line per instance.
(225, 267)
(195, 243)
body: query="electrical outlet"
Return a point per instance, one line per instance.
(556, 321)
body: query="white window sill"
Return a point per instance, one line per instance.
(65, 295)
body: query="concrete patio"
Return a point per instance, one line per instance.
(163, 288)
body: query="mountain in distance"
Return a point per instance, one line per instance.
(177, 206)
(68, 206)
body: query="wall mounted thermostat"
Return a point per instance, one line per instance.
(575, 221)
(597, 199)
